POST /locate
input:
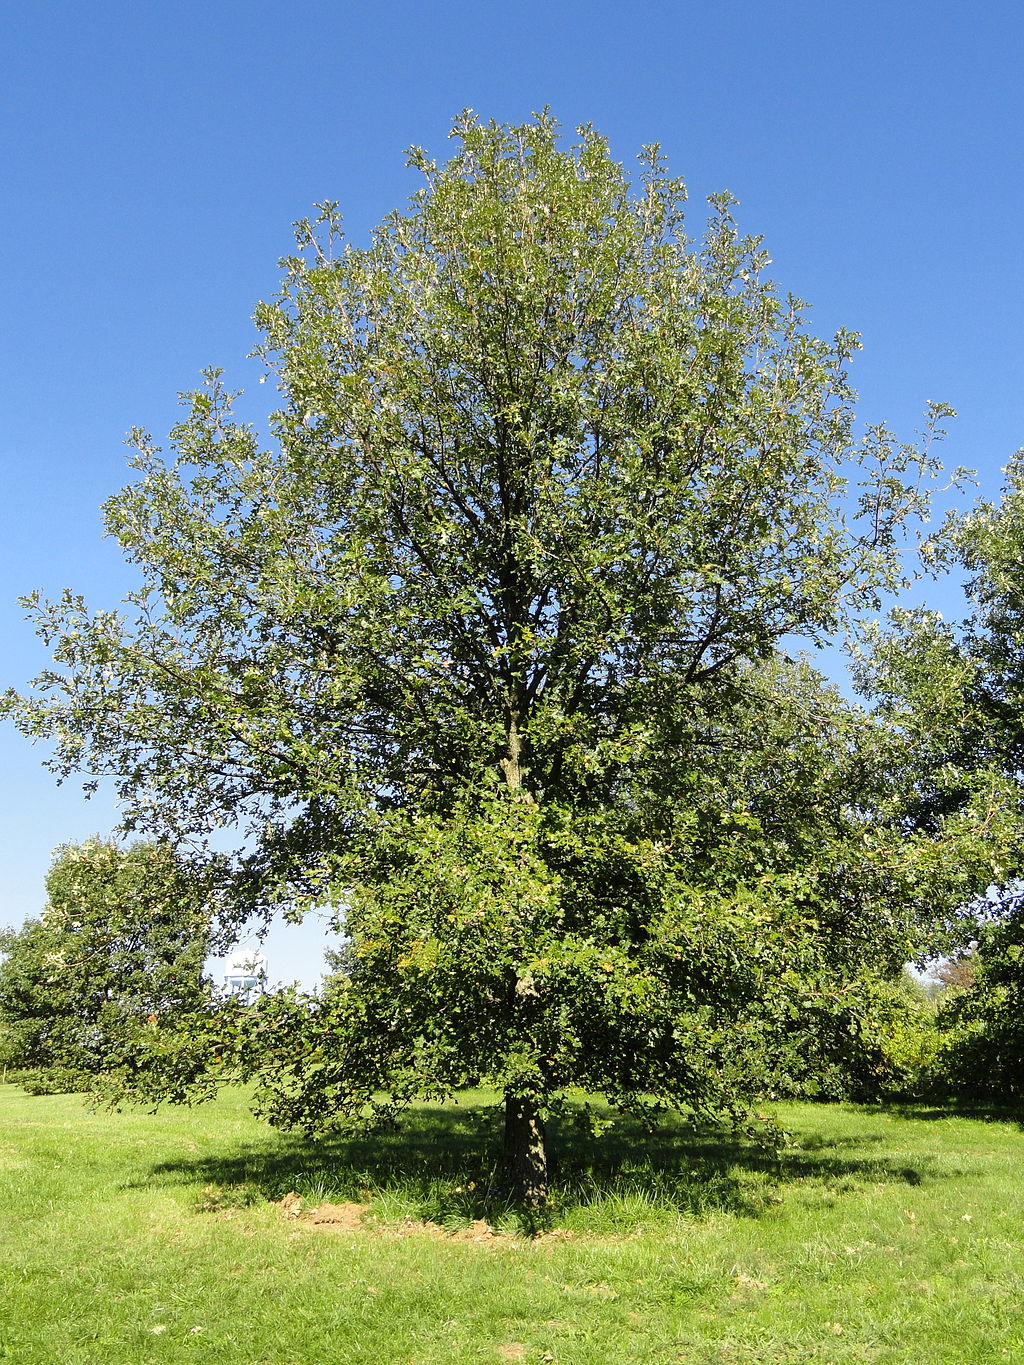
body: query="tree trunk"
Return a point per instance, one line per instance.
(525, 1165)
(526, 1158)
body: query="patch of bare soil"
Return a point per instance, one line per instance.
(345, 1217)
(349, 1218)
(477, 1231)
(555, 1235)
(342, 1217)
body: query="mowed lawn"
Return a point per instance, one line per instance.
(880, 1235)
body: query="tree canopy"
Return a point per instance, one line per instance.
(489, 646)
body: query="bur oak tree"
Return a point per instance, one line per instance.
(486, 646)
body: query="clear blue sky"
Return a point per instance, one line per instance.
(155, 155)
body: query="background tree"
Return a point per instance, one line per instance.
(955, 974)
(120, 943)
(957, 693)
(486, 644)
(983, 1051)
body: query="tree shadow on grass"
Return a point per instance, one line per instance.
(441, 1164)
(980, 1110)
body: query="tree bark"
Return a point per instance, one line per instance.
(526, 1157)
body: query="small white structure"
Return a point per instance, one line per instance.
(245, 973)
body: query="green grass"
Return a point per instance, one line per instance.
(129, 1238)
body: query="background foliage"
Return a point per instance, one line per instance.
(119, 946)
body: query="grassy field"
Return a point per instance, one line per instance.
(879, 1236)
